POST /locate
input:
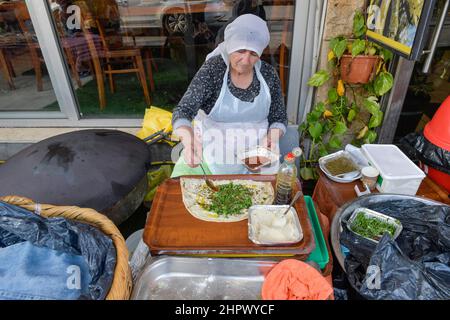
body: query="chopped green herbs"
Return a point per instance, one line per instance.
(371, 228)
(231, 199)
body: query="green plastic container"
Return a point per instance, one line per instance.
(320, 253)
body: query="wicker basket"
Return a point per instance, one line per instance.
(122, 281)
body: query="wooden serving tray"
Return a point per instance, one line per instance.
(171, 229)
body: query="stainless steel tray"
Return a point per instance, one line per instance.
(376, 215)
(179, 278)
(252, 234)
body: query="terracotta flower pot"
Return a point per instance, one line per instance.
(358, 69)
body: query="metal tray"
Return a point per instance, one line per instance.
(252, 228)
(180, 278)
(376, 215)
(349, 177)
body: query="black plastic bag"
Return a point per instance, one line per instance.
(401, 278)
(20, 225)
(416, 146)
(422, 247)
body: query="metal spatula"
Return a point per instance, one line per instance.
(208, 182)
(297, 195)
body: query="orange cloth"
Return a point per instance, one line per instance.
(295, 280)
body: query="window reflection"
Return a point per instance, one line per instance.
(125, 55)
(24, 81)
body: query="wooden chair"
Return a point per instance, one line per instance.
(5, 66)
(5, 63)
(23, 17)
(67, 46)
(110, 62)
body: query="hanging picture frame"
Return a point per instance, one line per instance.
(400, 25)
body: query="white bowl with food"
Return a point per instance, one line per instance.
(267, 225)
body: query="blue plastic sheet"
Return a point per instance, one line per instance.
(18, 225)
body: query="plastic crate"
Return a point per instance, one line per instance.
(320, 253)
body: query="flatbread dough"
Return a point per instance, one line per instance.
(195, 193)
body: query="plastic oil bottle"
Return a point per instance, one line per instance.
(286, 177)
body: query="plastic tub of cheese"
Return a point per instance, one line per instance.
(268, 226)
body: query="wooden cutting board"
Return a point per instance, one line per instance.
(171, 229)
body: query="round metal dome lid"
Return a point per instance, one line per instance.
(88, 168)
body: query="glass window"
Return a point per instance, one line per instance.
(125, 55)
(24, 81)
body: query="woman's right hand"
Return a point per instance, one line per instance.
(193, 151)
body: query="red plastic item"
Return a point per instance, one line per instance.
(437, 131)
(441, 178)
(290, 156)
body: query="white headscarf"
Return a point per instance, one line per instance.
(247, 32)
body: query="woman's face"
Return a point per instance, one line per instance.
(243, 60)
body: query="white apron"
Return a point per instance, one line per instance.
(233, 126)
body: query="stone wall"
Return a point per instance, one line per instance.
(339, 21)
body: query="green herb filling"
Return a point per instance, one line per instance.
(231, 199)
(371, 228)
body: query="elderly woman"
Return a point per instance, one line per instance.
(236, 101)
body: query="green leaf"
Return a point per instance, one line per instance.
(343, 100)
(319, 78)
(313, 117)
(332, 95)
(372, 105)
(358, 47)
(369, 88)
(335, 110)
(307, 173)
(340, 128)
(302, 128)
(332, 64)
(359, 25)
(335, 41)
(351, 115)
(383, 83)
(386, 54)
(327, 127)
(320, 107)
(371, 137)
(339, 48)
(335, 142)
(376, 119)
(372, 51)
(315, 130)
(322, 150)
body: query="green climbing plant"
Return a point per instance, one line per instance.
(350, 112)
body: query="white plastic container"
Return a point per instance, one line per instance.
(398, 174)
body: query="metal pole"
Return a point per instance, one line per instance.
(436, 34)
(394, 106)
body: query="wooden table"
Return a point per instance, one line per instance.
(329, 195)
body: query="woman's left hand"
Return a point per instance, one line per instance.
(272, 140)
